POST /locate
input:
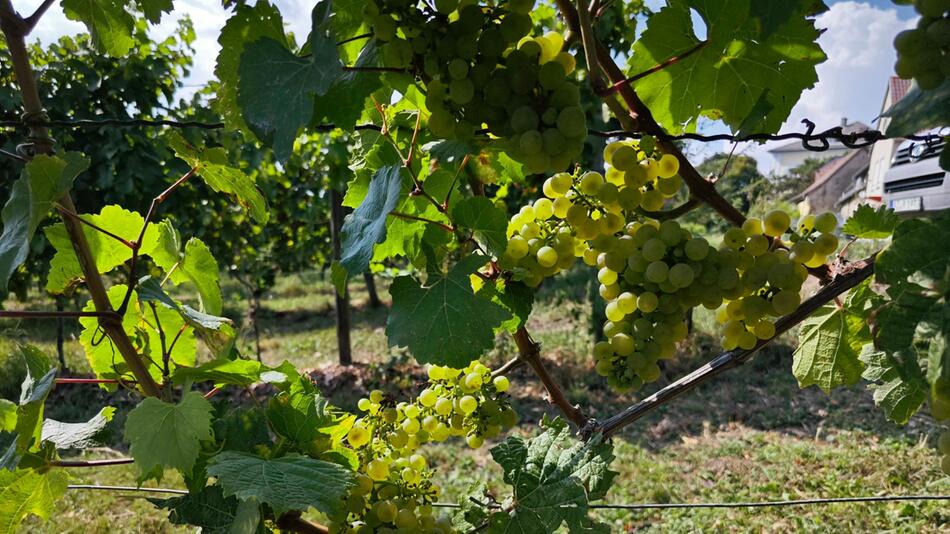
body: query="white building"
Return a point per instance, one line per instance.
(883, 151)
(792, 153)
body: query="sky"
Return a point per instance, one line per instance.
(851, 83)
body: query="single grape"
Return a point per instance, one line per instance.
(547, 256)
(826, 222)
(377, 470)
(669, 165)
(501, 384)
(776, 223)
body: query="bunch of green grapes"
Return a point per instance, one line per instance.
(394, 489)
(482, 70)
(771, 276)
(923, 53)
(547, 236)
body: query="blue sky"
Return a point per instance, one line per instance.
(857, 40)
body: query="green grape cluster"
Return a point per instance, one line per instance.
(770, 278)
(483, 71)
(547, 236)
(651, 273)
(923, 53)
(394, 490)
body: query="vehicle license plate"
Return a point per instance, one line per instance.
(907, 204)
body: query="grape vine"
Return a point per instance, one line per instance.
(465, 108)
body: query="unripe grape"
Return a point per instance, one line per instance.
(501, 384)
(517, 247)
(647, 302)
(776, 223)
(358, 436)
(473, 380)
(668, 166)
(606, 276)
(826, 222)
(756, 245)
(764, 330)
(802, 251)
(752, 226)
(681, 275)
(591, 183)
(785, 302)
(657, 272)
(377, 470)
(825, 244)
(410, 426)
(627, 303)
(547, 256)
(624, 158)
(652, 200)
(734, 238)
(411, 411)
(622, 344)
(572, 122)
(474, 441)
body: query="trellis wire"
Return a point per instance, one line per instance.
(808, 138)
(630, 506)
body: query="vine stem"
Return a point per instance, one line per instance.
(91, 463)
(530, 352)
(851, 275)
(15, 33)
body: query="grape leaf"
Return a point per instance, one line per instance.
(108, 252)
(163, 435)
(154, 9)
(276, 87)
(487, 221)
(869, 223)
(919, 110)
(894, 323)
(514, 296)
(900, 387)
(28, 492)
(305, 418)
(216, 332)
(108, 22)
(199, 267)
(221, 371)
(213, 167)
(211, 511)
(912, 251)
(443, 322)
(338, 276)
(7, 415)
(247, 25)
(39, 381)
(757, 60)
(44, 180)
(291, 482)
(829, 343)
(366, 226)
(553, 477)
(242, 429)
(343, 103)
(77, 435)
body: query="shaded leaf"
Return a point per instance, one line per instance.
(366, 226)
(912, 251)
(487, 221)
(108, 22)
(900, 387)
(211, 511)
(291, 482)
(919, 110)
(44, 180)
(276, 87)
(443, 322)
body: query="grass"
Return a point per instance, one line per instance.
(751, 436)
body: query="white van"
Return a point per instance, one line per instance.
(915, 182)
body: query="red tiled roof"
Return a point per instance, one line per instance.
(898, 88)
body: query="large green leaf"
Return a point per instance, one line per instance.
(868, 223)
(77, 435)
(554, 477)
(276, 87)
(443, 322)
(830, 341)
(247, 25)
(154, 9)
(899, 387)
(343, 103)
(44, 180)
(198, 266)
(108, 22)
(217, 332)
(28, 492)
(107, 251)
(919, 110)
(291, 482)
(163, 435)
(488, 222)
(7, 415)
(758, 58)
(211, 511)
(366, 226)
(213, 167)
